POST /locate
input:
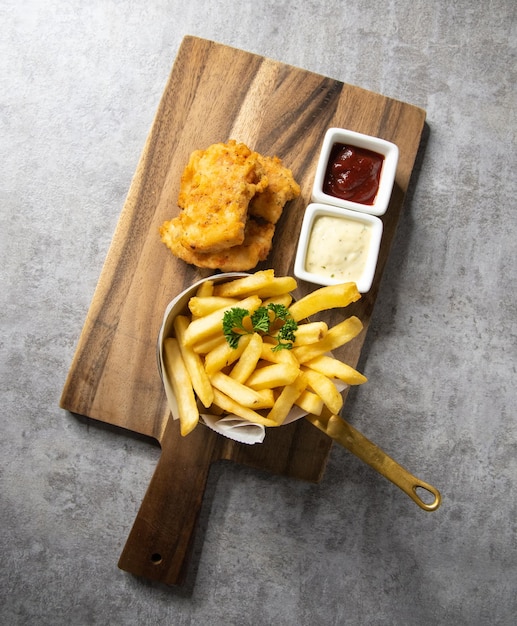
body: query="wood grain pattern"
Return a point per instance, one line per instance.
(214, 93)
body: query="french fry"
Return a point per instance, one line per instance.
(277, 356)
(285, 299)
(336, 336)
(223, 355)
(228, 405)
(205, 289)
(324, 298)
(206, 346)
(286, 399)
(334, 368)
(181, 383)
(325, 389)
(272, 376)
(277, 287)
(193, 363)
(241, 287)
(242, 394)
(201, 306)
(310, 333)
(248, 360)
(264, 284)
(267, 399)
(204, 327)
(310, 402)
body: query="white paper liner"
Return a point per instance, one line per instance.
(235, 428)
(230, 426)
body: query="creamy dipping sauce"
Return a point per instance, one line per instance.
(338, 248)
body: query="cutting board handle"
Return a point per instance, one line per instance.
(159, 543)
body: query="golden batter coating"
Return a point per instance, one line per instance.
(255, 248)
(281, 188)
(230, 198)
(216, 188)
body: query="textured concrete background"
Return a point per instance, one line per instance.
(79, 86)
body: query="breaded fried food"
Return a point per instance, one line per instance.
(255, 247)
(281, 188)
(231, 199)
(216, 188)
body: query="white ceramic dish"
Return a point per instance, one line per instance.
(333, 251)
(387, 149)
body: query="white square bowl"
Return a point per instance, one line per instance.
(388, 150)
(338, 246)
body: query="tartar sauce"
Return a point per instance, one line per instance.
(338, 248)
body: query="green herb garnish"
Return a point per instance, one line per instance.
(262, 321)
(233, 325)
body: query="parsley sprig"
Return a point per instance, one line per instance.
(263, 320)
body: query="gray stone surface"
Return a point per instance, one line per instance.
(79, 86)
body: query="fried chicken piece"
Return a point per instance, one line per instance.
(282, 187)
(216, 188)
(231, 198)
(255, 248)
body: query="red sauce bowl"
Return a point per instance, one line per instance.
(355, 171)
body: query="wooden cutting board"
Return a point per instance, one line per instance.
(214, 93)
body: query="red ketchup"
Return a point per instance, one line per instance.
(353, 174)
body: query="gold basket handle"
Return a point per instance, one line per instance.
(351, 439)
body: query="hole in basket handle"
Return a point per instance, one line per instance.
(427, 497)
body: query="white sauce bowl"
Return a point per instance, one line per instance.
(387, 149)
(338, 245)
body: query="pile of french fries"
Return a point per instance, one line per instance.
(255, 381)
